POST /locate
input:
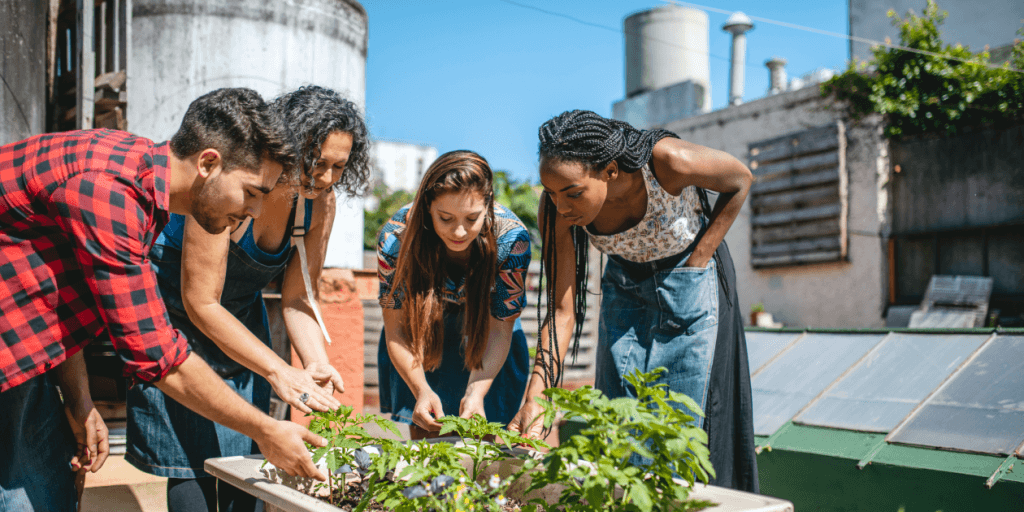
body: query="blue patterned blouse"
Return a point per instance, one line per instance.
(508, 297)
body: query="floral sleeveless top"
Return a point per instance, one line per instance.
(670, 225)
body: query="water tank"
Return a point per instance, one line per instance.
(665, 46)
(182, 49)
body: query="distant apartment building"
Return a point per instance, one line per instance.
(399, 165)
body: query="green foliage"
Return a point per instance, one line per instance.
(345, 435)
(474, 430)
(517, 196)
(522, 199)
(592, 463)
(920, 93)
(594, 467)
(388, 203)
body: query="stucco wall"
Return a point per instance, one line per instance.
(22, 68)
(842, 294)
(182, 49)
(974, 23)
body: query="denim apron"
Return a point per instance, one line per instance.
(449, 380)
(658, 313)
(164, 437)
(36, 449)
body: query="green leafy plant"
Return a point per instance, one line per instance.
(942, 91)
(602, 459)
(432, 475)
(345, 440)
(757, 308)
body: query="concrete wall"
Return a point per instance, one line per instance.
(974, 23)
(843, 294)
(22, 69)
(182, 49)
(654, 108)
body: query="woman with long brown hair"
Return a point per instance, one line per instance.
(452, 268)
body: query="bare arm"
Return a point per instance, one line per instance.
(303, 329)
(428, 404)
(564, 319)
(194, 385)
(679, 164)
(204, 260)
(88, 427)
(499, 339)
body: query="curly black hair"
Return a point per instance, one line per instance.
(312, 113)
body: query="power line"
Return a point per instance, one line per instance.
(616, 30)
(841, 36)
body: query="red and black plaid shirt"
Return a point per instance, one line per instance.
(78, 214)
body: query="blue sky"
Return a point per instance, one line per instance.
(484, 74)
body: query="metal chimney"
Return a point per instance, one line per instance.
(777, 75)
(738, 24)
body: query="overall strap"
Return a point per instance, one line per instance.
(705, 205)
(298, 236)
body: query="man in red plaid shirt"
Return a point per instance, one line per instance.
(79, 212)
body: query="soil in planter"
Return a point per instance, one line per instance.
(350, 500)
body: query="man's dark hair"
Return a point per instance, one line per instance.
(311, 114)
(237, 123)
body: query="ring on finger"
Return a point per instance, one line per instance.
(304, 398)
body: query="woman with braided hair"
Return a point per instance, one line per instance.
(668, 294)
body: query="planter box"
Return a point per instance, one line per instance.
(245, 474)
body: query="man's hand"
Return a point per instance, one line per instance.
(283, 444)
(426, 410)
(91, 435)
(529, 421)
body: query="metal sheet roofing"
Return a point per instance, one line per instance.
(883, 387)
(979, 409)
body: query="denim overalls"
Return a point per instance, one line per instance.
(164, 437)
(658, 313)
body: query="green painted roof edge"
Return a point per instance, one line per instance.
(856, 446)
(840, 330)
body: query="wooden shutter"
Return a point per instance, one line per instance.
(799, 198)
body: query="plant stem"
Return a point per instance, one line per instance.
(369, 494)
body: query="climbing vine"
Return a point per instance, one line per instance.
(942, 92)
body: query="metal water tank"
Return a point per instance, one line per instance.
(182, 49)
(665, 46)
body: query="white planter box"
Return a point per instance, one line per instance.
(244, 473)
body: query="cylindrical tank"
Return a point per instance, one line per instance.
(665, 46)
(182, 49)
(23, 67)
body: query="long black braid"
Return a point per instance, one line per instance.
(585, 137)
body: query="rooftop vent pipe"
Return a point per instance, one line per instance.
(777, 75)
(738, 24)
